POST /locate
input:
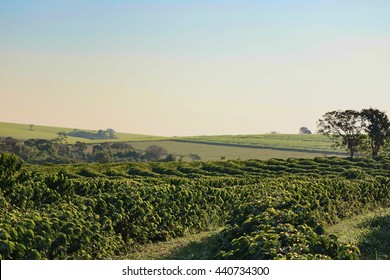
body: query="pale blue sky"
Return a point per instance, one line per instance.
(191, 67)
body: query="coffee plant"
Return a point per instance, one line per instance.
(275, 209)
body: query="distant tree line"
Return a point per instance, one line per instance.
(99, 135)
(57, 150)
(365, 131)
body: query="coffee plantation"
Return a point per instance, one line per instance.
(274, 209)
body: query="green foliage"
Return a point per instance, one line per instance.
(155, 153)
(369, 230)
(377, 127)
(353, 174)
(100, 134)
(273, 209)
(285, 219)
(344, 128)
(10, 164)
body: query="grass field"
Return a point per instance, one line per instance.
(215, 152)
(315, 142)
(23, 131)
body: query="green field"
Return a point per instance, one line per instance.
(298, 142)
(216, 152)
(207, 147)
(23, 131)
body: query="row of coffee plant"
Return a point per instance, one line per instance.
(285, 217)
(273, 209)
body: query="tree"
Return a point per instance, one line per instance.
(13, 145)
(101, 156)
(170, 157)
(344, 128)
(376, 125)
(44, 145)
(111, 133)
(155, 153)
(194, 157)
(80, 149)
(121, 146)
(304, 130)
(61, 146)
(97, 148)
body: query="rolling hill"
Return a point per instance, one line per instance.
(257, 146)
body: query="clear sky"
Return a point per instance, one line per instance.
(191, 67)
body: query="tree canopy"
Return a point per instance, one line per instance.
(345, 128)
(356, 130)
(376, 125)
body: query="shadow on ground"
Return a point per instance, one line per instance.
(204, 249)
(375, 245)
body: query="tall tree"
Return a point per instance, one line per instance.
(345, 128)
(376, 125)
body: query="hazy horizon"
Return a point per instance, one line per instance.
(170, 68)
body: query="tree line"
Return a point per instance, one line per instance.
(365, 131)
(99, 135)
(59, 151)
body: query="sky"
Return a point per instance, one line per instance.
(175, 68)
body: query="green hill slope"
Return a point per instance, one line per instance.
(312, 142)
(23, 131)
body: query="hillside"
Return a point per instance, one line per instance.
(296, 142)
(261, 146)
(23, 131)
